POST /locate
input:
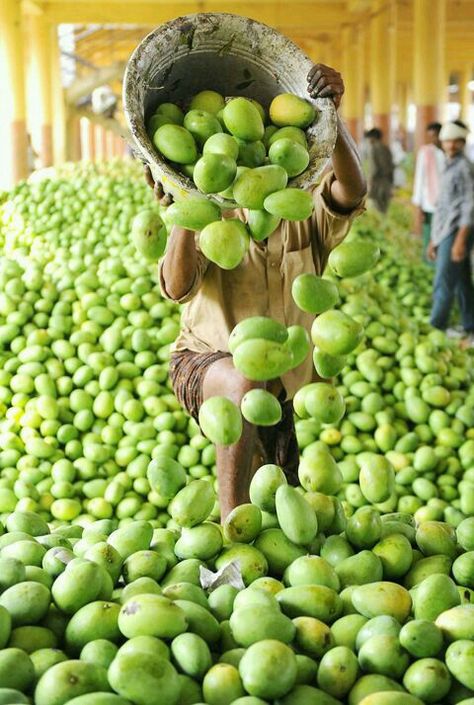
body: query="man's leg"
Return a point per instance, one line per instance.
(444, 284)
(465, 292)
(235, 462)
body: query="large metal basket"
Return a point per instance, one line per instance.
(233, 55)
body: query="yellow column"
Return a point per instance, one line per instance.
(40, 87)
(60, 113)
(13, 135)
(465, 94)
(380, 66)
(353, 100)
(429, 62)
(402, 108)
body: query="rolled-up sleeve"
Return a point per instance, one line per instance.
(330, 226)
(467, 206)
(202, 264)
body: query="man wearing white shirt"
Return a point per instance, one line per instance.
(430, 162)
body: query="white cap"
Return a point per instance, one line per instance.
(451, 131)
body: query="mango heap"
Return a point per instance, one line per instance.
(227, 150)
(347, 598)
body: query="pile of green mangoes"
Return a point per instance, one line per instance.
(408, 394)
(227, 150)
(287, 603)
(85, 402)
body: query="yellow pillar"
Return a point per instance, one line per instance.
(87, 140)
(380, 66)
(40, 87)
(402, 109)
(429, 62)
(13, 135)
(60, 113)
(352, 71)
(465, 94)
(73, 137)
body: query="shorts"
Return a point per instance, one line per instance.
(277, 444)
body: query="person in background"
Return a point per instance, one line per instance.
(451, 234)
(429, 166)
(201, 365)
(379, 170)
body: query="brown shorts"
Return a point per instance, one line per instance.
(277, 444)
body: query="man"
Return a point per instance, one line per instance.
(379, 170)
(201, 366)
(429, 166)
(451, 233)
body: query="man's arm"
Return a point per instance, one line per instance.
(459, 248)
(349, 186)
(180, 265)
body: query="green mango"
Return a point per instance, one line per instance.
(344, 630)
(149, 234)
(298, 344)
(382, 598)
(140, 676)
(289, 109)
(311, 570)
(193, 213)
(338, 671)
(278, 550)
(131, 538)
(27, 603)
(289, 203)
(254, 623)
(186, 591)
(214, 172)
(68, 679)
(222, 143)
(220, 421)
(211, 101)
(383, 654)
(425, 567)
(314, 294)
(457, 623)
(364, 528)
(296, 517)
(312, 636)
(264, 485)
(261, 360)
(201, 124)
(328, 365)
(251, 154)
(171, 111)
(262, 224)
(459, 658)
(253, 187)
(243, 524)
(268, 669)
(376, 477)
(354, 257)
(293, 133)
(97, 620)
(463, 569)
(176, 144)
(318, 472)
(152, 615)
(193, 504)
(395, 552)
(292, 156)
(421, 638)
(252, 561)
(262, 327)
(362, 568)
(191, 654)
(393, 697)
(372, 683)
(261, 408)
(166, 476)
(434, 595)
(243, 120)
(436, 537)
(225, 242)
(222, 684)
(316, 601)
(336, 333)
(203, 541)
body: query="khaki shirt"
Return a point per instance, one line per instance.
(261, 284)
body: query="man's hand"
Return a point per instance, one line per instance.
(164, 199)
(325, 82)
(459, 249)
(431, 252)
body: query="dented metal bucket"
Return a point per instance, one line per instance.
(233, 55)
